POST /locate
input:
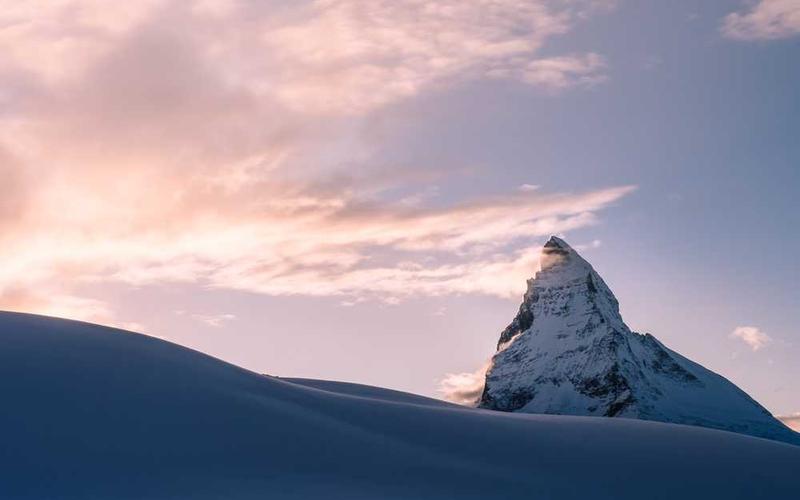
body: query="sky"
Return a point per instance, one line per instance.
(358, 189)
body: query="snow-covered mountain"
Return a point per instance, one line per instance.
(94, 413)
(568, 352)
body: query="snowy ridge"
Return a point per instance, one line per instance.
(93, 413)
(569, 352)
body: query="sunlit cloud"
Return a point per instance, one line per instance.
(752, 336)
(58, 39)
(379, 250)
(214, 320)
(464, 388)
(353, 55)
(57, 301)
(792, 421)
(767, 19)
(215, 143)
(322, 56)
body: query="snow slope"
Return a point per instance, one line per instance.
(368, 391)
(90, 412)
(569, 352)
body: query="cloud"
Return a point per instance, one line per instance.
(752, 336)
(766, 20)
(220, 144)
(464, 388)
(587, 246)
(562, 72)
(322, 56)
(352, 55)
(792, 421)
(214, 320)
(59, 302)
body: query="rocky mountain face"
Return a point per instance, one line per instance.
(569, 352)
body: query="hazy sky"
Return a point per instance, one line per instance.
(358, 189)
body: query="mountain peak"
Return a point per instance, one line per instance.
(568, 351)
(556, 242)
(561, 261)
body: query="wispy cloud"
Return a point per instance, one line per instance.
(752, 336)
(351, 55)
(567, 71)
(214, 143)
(322, 56)
(214, 320)
(299, 240)
(767, 19)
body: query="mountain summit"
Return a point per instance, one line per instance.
(569, 352)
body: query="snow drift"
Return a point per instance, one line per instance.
(90, 412)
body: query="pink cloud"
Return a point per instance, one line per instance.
(752, 336)
(351, 55)
(792, 421)
(767, 19)
(163, 142)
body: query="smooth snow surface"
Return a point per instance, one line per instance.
(368, 391)
(95, 413)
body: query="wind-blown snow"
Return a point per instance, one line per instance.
(569, 352)
(90, 412)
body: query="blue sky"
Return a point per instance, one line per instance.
(336, 189)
